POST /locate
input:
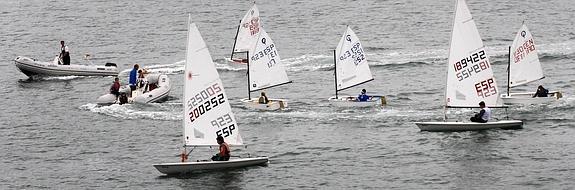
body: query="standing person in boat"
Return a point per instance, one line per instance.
(133, 77)
(363, 96)
(64, 54)
(484, 115)
(541, 92)
(224, 154)
(115, 89)
(142, 80)
(263, 98)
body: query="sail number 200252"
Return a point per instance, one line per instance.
(205, 100)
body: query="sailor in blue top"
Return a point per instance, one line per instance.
(362, 97)
(133, 77)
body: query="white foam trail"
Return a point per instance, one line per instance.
(125, 112)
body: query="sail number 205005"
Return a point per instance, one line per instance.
(205, 100)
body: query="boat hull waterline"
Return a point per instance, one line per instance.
(31, 67)
(527, 98)
(273, 104)
(189, 167)
(351, 101)
(468, 126)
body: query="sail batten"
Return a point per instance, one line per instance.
(207, 112)
(470, 78)
(350, 62)
(524, 66)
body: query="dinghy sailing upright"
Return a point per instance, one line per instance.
(523, 68)
(207, 112)
(470, 77)
(265, 70)
(351, 69)
(246, 35)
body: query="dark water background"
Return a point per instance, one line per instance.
(54, 136)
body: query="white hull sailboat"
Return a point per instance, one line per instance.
(246, 35)
(351, 69)
(265, 70)
(470, 77)
(524, 67)
(32, 67)
(207, 113)
(156, 88)
(189, 167)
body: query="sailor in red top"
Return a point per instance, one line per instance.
(115, 89)
(224, 154)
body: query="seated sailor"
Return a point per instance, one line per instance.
(362, 97)
(541, 92)
(263, 98)
(224, 154)
(484, 115)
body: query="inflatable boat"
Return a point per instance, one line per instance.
(154, 88)
(32, 67)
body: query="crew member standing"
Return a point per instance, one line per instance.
(64, 54)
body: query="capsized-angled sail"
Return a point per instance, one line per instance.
(249, 30)
(265, 66)
(351, 64)
(470, 77)
(207, 111)
(525, 66)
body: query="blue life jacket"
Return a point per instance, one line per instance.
(133, 77)
(363, 97)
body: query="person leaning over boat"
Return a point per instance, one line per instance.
(362, 97)
(64, 54)
(541, 92)
(263, 98)
(224, 154)
(484, 115)
(133, 77)
(115, 89)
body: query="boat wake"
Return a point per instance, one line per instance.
(169, 112)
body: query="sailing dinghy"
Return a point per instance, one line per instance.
(523, 68)
(470, 77)
(265, 70)
(351, 69)
(246, 35)
(207, 112)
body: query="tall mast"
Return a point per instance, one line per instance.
(335, 72)
(248, 64)
(235, 41)
(509, 71)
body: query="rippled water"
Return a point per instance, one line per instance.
(54, 136)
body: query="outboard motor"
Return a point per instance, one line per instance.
(111, 65)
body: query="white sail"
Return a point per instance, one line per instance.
(249, 30)
(525, 66)
(351, 64)
(207, 111)
(265, 66)
(470, 77)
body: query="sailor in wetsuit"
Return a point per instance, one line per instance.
(263, 98)
(484, 115)
(541, 92)
(362, 97)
